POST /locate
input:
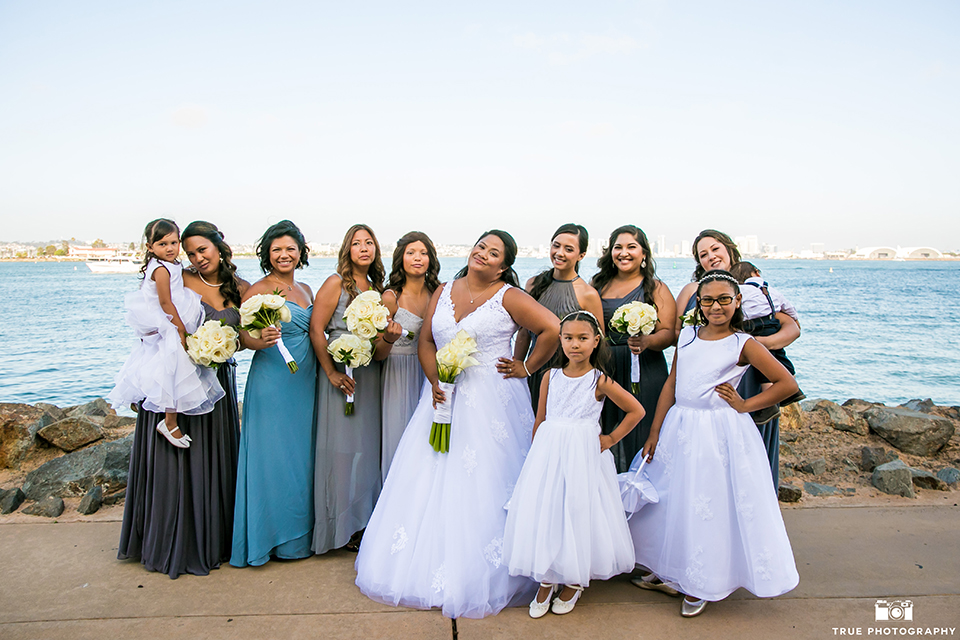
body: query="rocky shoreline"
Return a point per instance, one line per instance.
(864, 449)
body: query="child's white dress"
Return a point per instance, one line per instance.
(717, 526)
(565, 522)
(159, 373)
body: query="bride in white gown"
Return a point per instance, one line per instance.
(435, 538)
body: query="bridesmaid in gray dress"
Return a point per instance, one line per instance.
(413, 279)
(178, 513)
(561, 290)
(347, 480)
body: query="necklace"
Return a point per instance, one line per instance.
(289, 286)
(200, 275)
(473, 297)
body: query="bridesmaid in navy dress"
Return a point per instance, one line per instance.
(716, 250)
(274, 512)
(178, 513)
(627, 273)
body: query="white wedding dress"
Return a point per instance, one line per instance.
(717, 526)
(435, 538)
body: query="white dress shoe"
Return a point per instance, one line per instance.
(182, 442)
(539, 609)
(561, 607)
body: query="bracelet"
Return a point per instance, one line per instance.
(388, 342)
(524, 365)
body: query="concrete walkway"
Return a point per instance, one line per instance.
(64, 581)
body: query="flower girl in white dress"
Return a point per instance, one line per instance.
(159, 375)
(565, 521)
(717, 525)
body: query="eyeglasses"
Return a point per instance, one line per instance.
(706, 303)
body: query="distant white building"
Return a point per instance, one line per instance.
(748, 245)
(919, 253)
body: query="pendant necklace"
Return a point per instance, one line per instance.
(472, 297)
(289, 286)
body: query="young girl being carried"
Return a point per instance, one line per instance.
(565, 522)
(159, 375)
(717, 525)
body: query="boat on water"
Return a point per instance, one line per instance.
(123, 264)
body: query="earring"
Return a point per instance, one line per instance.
(643, 263)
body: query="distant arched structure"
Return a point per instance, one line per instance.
(919, 253)
(875, 253)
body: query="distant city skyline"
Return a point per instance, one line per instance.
(797, 123)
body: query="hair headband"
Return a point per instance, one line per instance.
(583, 311)
(718, 276)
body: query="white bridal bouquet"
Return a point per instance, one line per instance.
(266, 310)
(351, 351)
(633, 319)
(452, 359)
(212, 344)
(366, 317)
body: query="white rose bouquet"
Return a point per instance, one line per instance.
(351, 351)
(633, 319)
(689, 319)
(452, 359)
(212, 344)
(267, 310)
(366, 317)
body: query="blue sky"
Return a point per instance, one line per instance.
(798, 122)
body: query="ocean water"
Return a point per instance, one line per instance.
(881, 331)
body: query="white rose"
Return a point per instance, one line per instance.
(273, 301)
(285, 315)
(365, 329)
(251, 305)
(254, 333)
(380, 317)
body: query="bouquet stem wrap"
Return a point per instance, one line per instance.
(291, 363)
(634, 319)
(452, 359)
(442, 417)
(348, 408)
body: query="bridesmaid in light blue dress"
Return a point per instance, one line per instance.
(413, 280)
(274, 505)
(347, 477)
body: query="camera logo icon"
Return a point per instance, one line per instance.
(894, 610)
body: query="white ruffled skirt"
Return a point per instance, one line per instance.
(158, 372)
(565, 521)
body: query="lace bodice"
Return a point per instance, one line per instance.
(704, 364)
(573, 398)
(410, 322)
(489, 324)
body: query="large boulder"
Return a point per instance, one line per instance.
(814, 467)
(72, 433)
(91, 501)
(950, 475)
(116, 422)
(105, 464)
(859, 406)
(19, 424)
(871, 457)
(841, 419)
(49, 507)
(97, 407)
(926, 480)
(920, 434)
(788, 492)
(10, 500)
(894, 478)
(923, 406)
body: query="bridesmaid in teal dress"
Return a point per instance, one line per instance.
(274, 505)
